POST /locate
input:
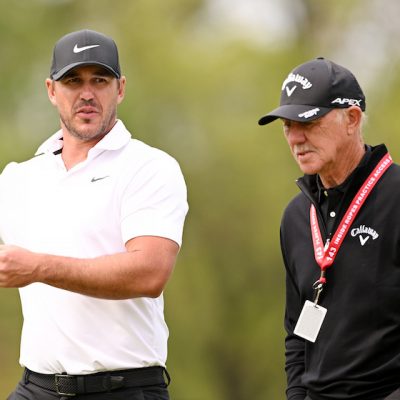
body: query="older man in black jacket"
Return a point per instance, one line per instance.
(340, 243)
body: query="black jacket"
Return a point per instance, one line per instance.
(357, 353)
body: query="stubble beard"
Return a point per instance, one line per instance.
(95, 133)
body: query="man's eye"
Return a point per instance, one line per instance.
(70, 81)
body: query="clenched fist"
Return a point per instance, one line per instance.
(18, 266)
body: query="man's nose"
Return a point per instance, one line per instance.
(87, 92)
(295, 134)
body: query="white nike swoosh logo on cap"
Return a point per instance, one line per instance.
(79, 49)
(290, 91)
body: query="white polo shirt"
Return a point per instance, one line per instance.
(124, 189)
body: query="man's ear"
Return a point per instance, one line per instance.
(121, 89)
(51, 91)
(354, 116)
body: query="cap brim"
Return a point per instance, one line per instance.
(57, 76)
(300, 113)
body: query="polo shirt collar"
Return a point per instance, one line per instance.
(117, 138)
(342, 188)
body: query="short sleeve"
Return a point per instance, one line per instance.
(154, 202)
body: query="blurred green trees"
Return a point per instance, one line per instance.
(197, 85)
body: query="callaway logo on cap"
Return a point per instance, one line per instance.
(84, 48)
(313, 89)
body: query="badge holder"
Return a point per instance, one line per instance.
(312, 315)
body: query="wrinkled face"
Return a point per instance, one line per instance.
(87, 99)
(318, 145)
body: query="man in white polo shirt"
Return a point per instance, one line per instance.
(92, 226)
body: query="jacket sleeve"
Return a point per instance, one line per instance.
(294, 345)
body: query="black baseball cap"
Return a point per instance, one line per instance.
(313, 89)
(84, 47)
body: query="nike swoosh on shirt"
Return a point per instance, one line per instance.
(100, 178)
(79, 49)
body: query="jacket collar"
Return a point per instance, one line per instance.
(309, 186)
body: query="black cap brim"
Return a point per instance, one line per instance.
(65, 70)
(300, 113)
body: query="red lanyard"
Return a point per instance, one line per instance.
(324, 256)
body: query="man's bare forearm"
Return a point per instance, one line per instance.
(141, 271)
